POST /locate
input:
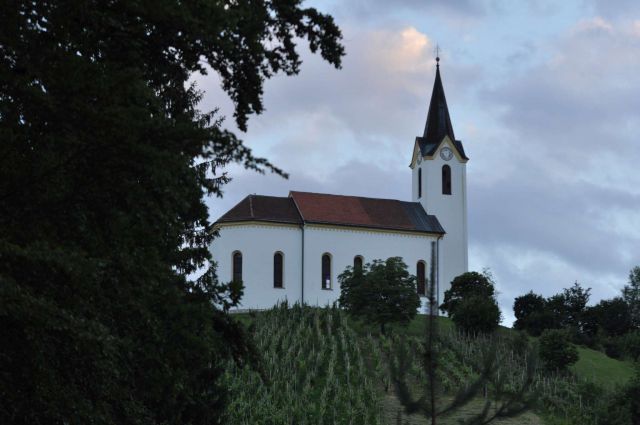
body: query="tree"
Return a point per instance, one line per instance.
(471, 303)
(556, 350)
(477, 315)
(613, 316)
(575, 302)
(104, 163)
(382, 292)
(567, 309)
(532, 314)
(467, 285)
(631, 295)
(631, 345)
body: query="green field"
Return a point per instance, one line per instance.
(597, 367)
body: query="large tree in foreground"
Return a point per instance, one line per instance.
(104, 163)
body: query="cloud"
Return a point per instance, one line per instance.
(616, 9)
(564, 206)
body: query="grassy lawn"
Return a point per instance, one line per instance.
(603, 370)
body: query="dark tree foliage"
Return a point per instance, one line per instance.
(575, 301)
(631, 295)
(471, 303)
(477, 315)
(556, 350)
(527, 304)
(613, 316)
(381, 292)
(104, 163)
(567, 310)
(630, 343)
(467, 285)
(532, 314)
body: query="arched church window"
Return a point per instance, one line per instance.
(419, 182)
(278, 263)
(326, 271)
(446, 180)
(357, 262)
(237, 266)
(421, 278)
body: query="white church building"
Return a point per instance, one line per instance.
(295, 247)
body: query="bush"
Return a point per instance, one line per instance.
(467, 285)
(556, 351)
(630, 343)
(613, 348)
(380, 292)
(477, 315)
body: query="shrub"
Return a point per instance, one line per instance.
(477, 315)
(630, 343)
(556, 351)
(380, 292)
(467, 285)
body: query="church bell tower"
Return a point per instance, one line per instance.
(440, 185)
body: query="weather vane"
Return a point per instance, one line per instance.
(437, 51)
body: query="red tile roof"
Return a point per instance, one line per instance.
(263, 208)
(352, 210)
(338, 210)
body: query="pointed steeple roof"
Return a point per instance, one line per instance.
(438, 121)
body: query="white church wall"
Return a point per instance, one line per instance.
(258, 243)
(343, 244)
(451, 211)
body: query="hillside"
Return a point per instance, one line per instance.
(320, 366)
(592, 365)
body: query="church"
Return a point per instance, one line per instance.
(294, 248)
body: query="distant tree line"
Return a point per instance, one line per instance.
(612, 325)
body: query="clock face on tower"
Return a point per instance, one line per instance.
(446, 153)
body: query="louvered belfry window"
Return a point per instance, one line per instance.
(446, 180)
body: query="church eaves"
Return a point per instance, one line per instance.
(335, 210)
(438, 123)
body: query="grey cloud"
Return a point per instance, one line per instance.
(369, 9)
(618, 8)
(572, 127)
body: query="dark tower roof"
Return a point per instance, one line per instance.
(438, 121)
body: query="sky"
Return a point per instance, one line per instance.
(544, 95)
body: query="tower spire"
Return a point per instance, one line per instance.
(438, 120)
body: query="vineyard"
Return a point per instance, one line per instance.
(317, 369)
(314, 372)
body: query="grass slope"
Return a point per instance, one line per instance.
(592, 365)
(603, 370)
